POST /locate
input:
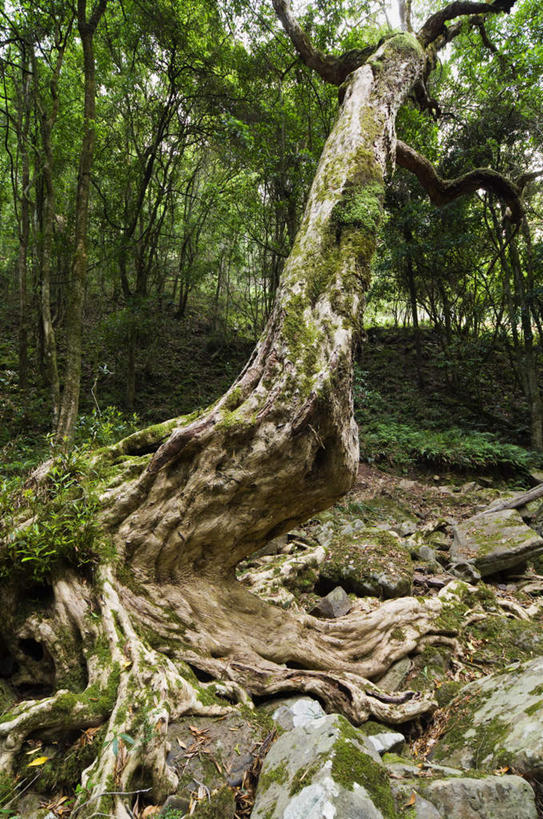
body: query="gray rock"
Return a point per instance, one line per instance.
(405, 528)
(323, 769)
(335, 604)
(175, 803)
(396, 674)
(231, 742)
(465, 570)
(490, 797)
(297, 711)
(273, 547)
(368, 562)
(427, 553)
(421, 809)
(495, 542)
(387, 741)
(498, 720)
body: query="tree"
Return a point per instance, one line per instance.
(181, 503)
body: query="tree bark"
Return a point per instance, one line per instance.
(72, 375)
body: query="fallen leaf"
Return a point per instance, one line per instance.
(411, 801)
(40, 760)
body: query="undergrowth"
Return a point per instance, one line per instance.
(44, 528)
(388, 436)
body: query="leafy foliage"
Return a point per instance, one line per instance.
(61, 529)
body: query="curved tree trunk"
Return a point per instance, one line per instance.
(209, 491)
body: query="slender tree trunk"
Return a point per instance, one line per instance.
(72, 375)
(528, 356)
(413, 301)
(24, 222)
(47, 213)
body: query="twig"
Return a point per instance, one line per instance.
(109, 793)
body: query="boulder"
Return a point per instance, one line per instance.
(325, 768)
(368, 562)
(214, 752)
(335, 604)
(497, 721)
(295, 711)
(461, 797)
(495, 542)
(494, 797)
(386, 741)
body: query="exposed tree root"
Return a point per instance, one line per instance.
(138, 644)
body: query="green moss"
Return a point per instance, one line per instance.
(222, 805)
(358, 562)
(533, 709)
(303, 776)
(360, 207)
(7, 697)
(447, 692)
(350, 766)
(535, 692)
(277, 775)
(64, 772)
(489, 735)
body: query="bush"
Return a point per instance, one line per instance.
(60, 526)
(401, 444)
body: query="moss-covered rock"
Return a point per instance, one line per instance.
(369, 561)
(497, 720)
(495, 542)
(323, 768)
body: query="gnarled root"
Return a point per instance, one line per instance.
(138, 644)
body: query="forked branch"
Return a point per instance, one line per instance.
(442, 191)
(435, 25)
(331, 68)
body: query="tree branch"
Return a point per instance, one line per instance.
(442, 191)
(332, 69)
(435, 25)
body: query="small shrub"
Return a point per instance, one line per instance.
(105, 427)
(61, 524)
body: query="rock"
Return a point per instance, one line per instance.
(395, 676)
(29, 806)
(497, 721)
(427, 553)
(405, 528)
(273, 547)
(325, 768)
(368, 562)
(407, 485)
(387, 741)
(175, 803)
(470, 486)
(465, 570)
(296, 711)
(495, 542)
(335, 604)
(495, 797)
(231, 742)
(220, 805)
(420, 808)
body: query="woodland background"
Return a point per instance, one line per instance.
(207, 136)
